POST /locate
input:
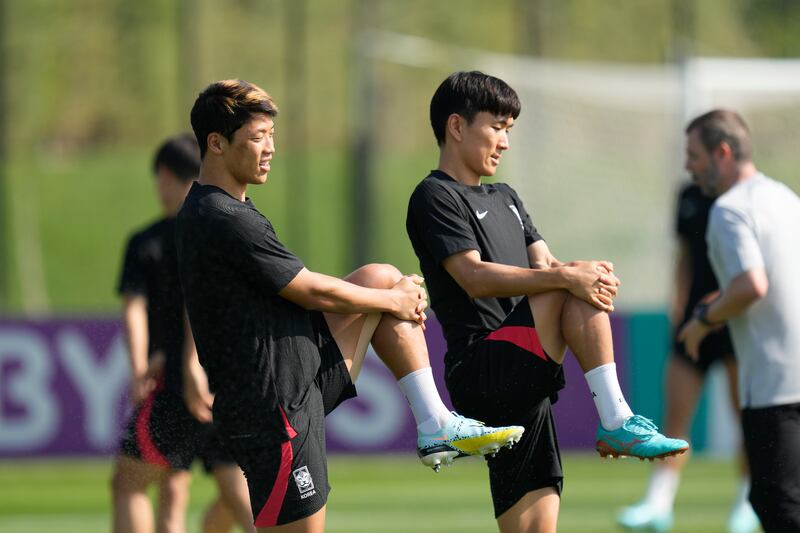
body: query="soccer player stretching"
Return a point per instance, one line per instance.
(509, 309)
(283, 345)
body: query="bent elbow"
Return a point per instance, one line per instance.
(475, 290)
(760, 287)
(473, 295)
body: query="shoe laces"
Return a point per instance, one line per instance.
(465, 420)
(640, 425)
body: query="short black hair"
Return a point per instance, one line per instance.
(722, 125)
(181, 155)
(224, 106)
(469, 93)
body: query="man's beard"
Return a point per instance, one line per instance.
(709, 181)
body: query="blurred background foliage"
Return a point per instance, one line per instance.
(88, 88)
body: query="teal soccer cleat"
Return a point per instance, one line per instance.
(638, 437)
(644, 516)
(464, 436)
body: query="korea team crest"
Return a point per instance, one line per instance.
(302, 477)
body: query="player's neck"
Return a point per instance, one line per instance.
(458, 170)
(746, 171)
(743, 173)
(211, 174)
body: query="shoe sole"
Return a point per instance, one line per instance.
(484, 445)
(605, 451)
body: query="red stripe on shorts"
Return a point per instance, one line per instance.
(150, 454)
(523, 336)
(268, 516)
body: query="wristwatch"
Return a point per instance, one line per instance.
(701, 312)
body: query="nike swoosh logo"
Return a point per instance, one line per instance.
(481, 215)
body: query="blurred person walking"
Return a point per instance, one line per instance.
(170, 426)
(752, 246)
(685, 375)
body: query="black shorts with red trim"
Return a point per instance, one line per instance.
(162, 432)
(717, 346)
(288, 480)
(507, 378)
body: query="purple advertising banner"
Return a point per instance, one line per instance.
(63, 387)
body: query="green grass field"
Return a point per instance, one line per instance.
(378, 493)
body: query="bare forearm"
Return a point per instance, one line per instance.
(591, 281)
(741, 293)
(500, 281)
(136, 336)
(334, 295)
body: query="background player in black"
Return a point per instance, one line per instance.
(491, 275)
(685, 376)
(277, 363)
(163, 438)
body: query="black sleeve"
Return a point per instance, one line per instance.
(271, 265)
(133, 279)
(531, 233)
(440, 221)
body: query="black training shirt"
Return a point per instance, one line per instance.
(691, 224)
(446, 217)
(257, 348)
(151, 270)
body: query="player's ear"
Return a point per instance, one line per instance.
(723, 150)
(455, 126)
(216, 142)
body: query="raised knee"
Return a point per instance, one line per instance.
(379, 275)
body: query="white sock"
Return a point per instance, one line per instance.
(420, 390)
(662, 489)
(607, 396)
(743, 493)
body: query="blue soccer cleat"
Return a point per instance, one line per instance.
(462, 436)
(638, 437)
(645, 516)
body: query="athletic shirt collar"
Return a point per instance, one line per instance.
(442, 175)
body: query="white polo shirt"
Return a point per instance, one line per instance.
(757, 224)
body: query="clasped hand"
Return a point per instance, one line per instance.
(411, 298)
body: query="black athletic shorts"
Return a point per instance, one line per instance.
(288, 480)
(214, 454)
(507, 379)
(772, 443)
(717, 346)
(164, 433)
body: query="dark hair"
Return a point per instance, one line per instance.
(721, 125)
(469, 93)
(224, 106)
(181, 155)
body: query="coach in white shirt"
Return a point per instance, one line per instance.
(753, 244)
